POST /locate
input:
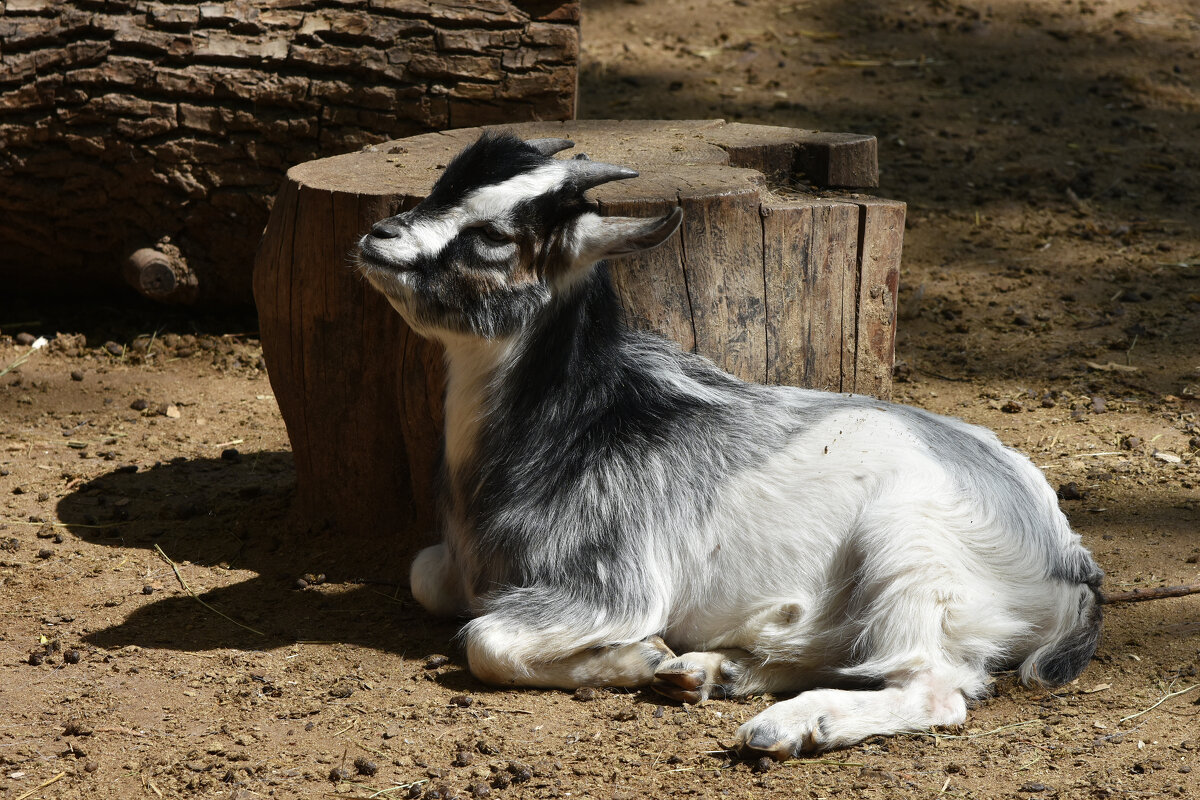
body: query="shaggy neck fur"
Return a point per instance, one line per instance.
(474, 366)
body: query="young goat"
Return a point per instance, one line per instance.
(610, 501)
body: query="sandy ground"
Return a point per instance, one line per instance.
(159, 636)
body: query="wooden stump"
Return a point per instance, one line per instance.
(774, 284)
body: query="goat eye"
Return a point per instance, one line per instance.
(492, 235)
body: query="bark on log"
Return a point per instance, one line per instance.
(772, 283)
(124, 122)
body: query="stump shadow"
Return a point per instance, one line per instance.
(235, 516)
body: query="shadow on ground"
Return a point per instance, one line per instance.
(230, 517)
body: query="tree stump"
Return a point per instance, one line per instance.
(775, 280)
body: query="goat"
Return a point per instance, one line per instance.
(610, 501)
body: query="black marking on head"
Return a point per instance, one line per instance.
(492, 159)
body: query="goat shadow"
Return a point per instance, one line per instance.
(236, 515)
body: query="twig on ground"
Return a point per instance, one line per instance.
(1001, 729)
(1157, 593)
(196, 597)
(1161, 700)
(36, 789)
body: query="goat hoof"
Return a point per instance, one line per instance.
(766, 742)
(688, 679)
(673, 692)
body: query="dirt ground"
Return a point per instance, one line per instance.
(1049, 152)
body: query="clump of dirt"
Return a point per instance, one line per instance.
(171, 629)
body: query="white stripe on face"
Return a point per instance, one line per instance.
(428, 236)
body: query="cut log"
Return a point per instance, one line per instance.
(772, 283)
(124, 122)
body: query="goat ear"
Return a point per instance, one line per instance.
(614, 236)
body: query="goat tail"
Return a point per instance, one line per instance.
(1069, 647)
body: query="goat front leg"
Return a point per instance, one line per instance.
(435, 582)
(505, 652)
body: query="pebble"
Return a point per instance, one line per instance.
(72, 656)
(76, 375)
(479, 790)
(462, 700)
(231, 454)
(36, 659)
(463, 759)
(365, 767)
(140, 404)
(91, 766)
(586, 693)
(26, 339)
(147, 589)
(1070, 491)
(45, 553)
(436, 661)
(337, 774)
(113, 348)
(1033, 788)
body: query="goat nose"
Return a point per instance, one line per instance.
(386, 229)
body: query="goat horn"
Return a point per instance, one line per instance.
(593, 173)
(549, 147)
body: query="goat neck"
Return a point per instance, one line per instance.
(474, 366)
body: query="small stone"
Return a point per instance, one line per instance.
(1033, 788)
(1070, 491)
(463, 759)
(1023, 319)
(140, 404)
(462, 700)
(337, 774)
(341, 692)
(586, 694)
(365, 767)
(1048, 402)
(76, 375)
(1012, 407)
(36, 659)
(231, 454)
(44, 553)
(147, 589)
(520, 772)
(301, 583)
(171, 411)
(46, 531)
(479, 790)
(436, 661)
(91, 766)
(72, 656)
(25, 339)
(113, 348)
(1132, 443)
